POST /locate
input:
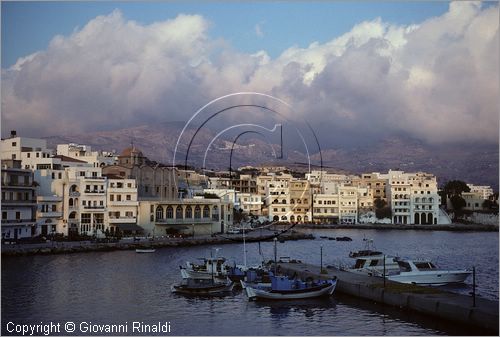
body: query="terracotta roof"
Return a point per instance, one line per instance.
(65, 158)
(129, 150)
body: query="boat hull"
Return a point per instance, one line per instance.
(209, 290)
(266, 293)
(145, 250)
(435, 278)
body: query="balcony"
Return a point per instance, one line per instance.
(19, 202)
(184, 221)
(99, 208)
(123, 219)
(122, 190)
(95, 191)
(74, 194)
(123, 203)
(18, 222)
(20, 185)
(48, 198)
(95, 178)
(48, 214)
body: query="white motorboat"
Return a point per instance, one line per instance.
(373, 262)
(424, 272)
(284, 288)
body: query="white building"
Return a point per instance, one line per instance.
(33, 153)
(413, 198)
(484, 191)
(85, 153)
(122, 205)
(18, 201)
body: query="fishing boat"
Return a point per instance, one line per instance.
(144, 250)
(424, 272)
(216, 266)
(203, 287)
(284, 288)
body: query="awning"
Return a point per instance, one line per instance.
(129, 227)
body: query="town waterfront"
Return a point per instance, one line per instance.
(122, 286)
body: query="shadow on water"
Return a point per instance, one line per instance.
(423, 320)
(306, 307)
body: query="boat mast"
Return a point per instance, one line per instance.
(275, 254)
(244, 249)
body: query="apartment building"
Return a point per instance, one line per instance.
(483, 191)
(122, 205)
(85, 153)
(18, 201)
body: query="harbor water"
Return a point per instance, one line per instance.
(121, 287)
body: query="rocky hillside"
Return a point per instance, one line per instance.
(473, 163)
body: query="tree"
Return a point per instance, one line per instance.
(384, 212)
(379, 203)
(381, 209)
(488, 204)
(458, 203)
(455, 187)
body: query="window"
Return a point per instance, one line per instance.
(206, 212)
(82, 173)
(118, 197)
(128, 197)
(4, 215)
(28, 155)
(170, 212)
(189, 212)
(111, 197)
(14, 144)
(178, 212)
(129, 185)
(197, 212)
(38, 154)
(14, 156)
(159, 213)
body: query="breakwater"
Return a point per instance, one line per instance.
(66, 247)
(482, 314)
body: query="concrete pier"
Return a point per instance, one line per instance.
(426, 300)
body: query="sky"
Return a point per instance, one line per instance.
(425, 69)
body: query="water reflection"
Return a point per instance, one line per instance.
(303, 307)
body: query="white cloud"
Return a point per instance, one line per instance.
(259, 31)
(437, 81)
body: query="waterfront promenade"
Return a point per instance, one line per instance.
(65, 247)
(450, 227)
(460, 309)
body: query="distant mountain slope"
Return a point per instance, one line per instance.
(477, 164)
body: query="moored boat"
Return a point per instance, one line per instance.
(144, 250)
(203, 287)
(284, 288)
(424, 272)
(210, 266)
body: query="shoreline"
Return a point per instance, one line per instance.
(453, 227)
(72, 247)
